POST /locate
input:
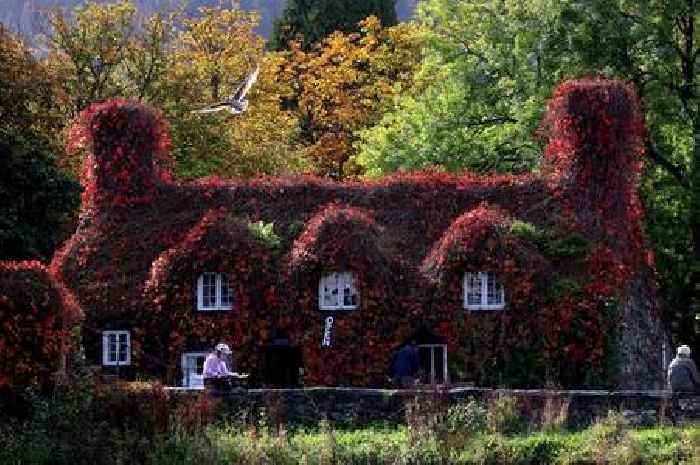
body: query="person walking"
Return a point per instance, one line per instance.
(682, 373)
(404, 366)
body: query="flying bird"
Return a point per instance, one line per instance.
(235, 103)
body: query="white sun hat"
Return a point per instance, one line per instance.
(684, 350)
(223, 348)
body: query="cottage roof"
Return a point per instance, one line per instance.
(112, 255)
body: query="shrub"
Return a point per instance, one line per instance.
(469, 417)
(528, 231)
(554, 415)
(265, 234)
(503, 415)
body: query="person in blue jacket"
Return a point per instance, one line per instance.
(404, 366)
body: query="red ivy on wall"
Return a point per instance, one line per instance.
(340, 238)
(219, 243)
(127, 151)
(594, 160)
(407, 238)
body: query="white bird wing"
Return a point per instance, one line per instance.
(211, 108)
(246, 85)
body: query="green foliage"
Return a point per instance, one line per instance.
(314, 20)
(528, 231)
(265, 233)
(234, 445)
(573, 246)
(565, 286)
(469, 416)
(479, 96)
(504, 416)
(37, 199)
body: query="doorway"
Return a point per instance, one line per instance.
(432, 355)
(282, 363)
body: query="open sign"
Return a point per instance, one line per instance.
(327, 332)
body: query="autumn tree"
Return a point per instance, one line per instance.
(211, 55)
(37, 199)
(346, 84)
(179, 65)
(101, 51)
(311, 21)
(87, 51)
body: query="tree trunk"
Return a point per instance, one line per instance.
(694, 278)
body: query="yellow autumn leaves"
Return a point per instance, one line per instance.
(304, 110)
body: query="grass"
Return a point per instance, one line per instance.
(75, 429)
(657, 446)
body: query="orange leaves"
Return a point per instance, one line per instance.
(346, 83)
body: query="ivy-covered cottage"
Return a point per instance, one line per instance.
(502, 280)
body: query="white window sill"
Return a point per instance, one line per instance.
(484, 307)
(214, 309)
(346, 309)
(114, 364)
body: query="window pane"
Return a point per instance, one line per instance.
(330, 290)
(349, 290)
(494, 290)
(226, 291)
(209, 290)
(199, 364)
(473, 288)
(425, 355)
(439, 360)
(123, 348)
(111, 347)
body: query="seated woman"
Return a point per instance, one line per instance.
(216, 374)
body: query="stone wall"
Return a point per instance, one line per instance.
(357, 407)
(641, 347)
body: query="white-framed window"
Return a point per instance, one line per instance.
(433, 363)
(214, 292)
(483, 291)
(337, 291)
(193, 369)
(116, 348)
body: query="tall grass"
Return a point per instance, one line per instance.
(72, 429)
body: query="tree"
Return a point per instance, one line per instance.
(479, 94)
(313, 20)
(103, 51)
(346, 84)
(179, 65)
(87, 51)
(37, 199)
(656, 45)
(211, 55)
